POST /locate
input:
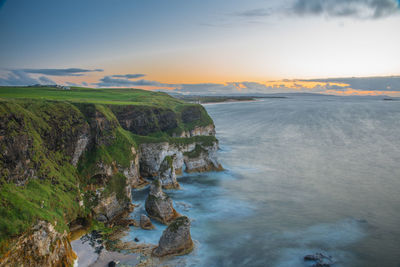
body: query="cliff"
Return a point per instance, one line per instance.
(63, 161)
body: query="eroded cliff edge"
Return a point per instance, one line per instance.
(63, 161)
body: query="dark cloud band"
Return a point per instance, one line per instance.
(129, 76)
(109, 81)
(388, 83)
(61, 72)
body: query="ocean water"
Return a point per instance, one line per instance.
(303, 175)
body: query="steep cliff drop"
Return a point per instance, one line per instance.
(65, 162)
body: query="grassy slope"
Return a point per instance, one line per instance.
(21, 206)
(90, 95)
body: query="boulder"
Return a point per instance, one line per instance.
(108, 208)
(320, 260)
(176, 239)
(113, 263)
(145, 222)
(159, 205)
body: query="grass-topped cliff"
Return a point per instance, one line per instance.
(146, 100)
(63, 152)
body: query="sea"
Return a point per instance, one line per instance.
(303, 175)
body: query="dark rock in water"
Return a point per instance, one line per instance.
(176, 239)
(315, 257)
(320, 259)
(159, 205)
(131, 222)
(136, 239)
(112, 264)
(145, 222)
(321, 265)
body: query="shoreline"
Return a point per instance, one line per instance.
(229, 102)
(94, 251)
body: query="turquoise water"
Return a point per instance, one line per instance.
(304, 175)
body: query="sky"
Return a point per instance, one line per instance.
(343, 47)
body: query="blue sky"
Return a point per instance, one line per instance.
(203, 46)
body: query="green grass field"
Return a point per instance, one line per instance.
(90, 95)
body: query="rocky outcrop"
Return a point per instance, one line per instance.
(42, 246)
(159, 205)
(153, 154)
(320, 260)
(162, 160)
(202, 159)
(145, 222)
(176, 239)
(208, 130)
(167, 173)
(108, 208)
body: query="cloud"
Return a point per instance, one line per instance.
(129, 76)
(84, 84)
(61, 72)
(226, 88)
(18, 77)
(383, 83)
(109, 81)
(252, 13)
(360, 9)
(370, 85)
(45, 80)
(206, 88)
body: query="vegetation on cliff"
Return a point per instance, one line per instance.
(39, 132)
(37, 180)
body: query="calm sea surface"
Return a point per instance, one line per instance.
(303, 175)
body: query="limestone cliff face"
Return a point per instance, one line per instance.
(202, 159)
(106, 170)
(41, 246)
(190, 157)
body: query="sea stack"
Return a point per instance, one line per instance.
(145, 222)
(168, 173)
(159, 205)
(176, 239)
